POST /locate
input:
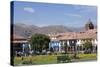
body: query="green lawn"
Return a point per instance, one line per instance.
(49, 59)
(41, 59)
(88, 56)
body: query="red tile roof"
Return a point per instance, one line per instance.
(90, 34)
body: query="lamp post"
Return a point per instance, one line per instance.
(75, 46)
(65, 47)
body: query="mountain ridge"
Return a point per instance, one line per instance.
(27, 30)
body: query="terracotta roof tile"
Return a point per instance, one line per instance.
(90, 34)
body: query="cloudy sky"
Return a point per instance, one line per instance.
(44, 14)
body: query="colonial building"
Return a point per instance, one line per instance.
(19, 44)
(72, 39)
(59, 41)
(89, 25)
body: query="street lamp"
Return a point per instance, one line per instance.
(75, 45)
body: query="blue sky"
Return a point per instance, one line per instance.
(44, 14)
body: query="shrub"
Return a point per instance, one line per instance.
(64, 58)
(87, 47)
(26, 62)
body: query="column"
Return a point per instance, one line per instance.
(63, 45)
(59, 46)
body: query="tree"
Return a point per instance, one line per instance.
(87, 47)
(65, 47)
(39, 42)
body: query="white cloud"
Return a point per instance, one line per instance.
(29, 9)
(73, 15)
(86, 9)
